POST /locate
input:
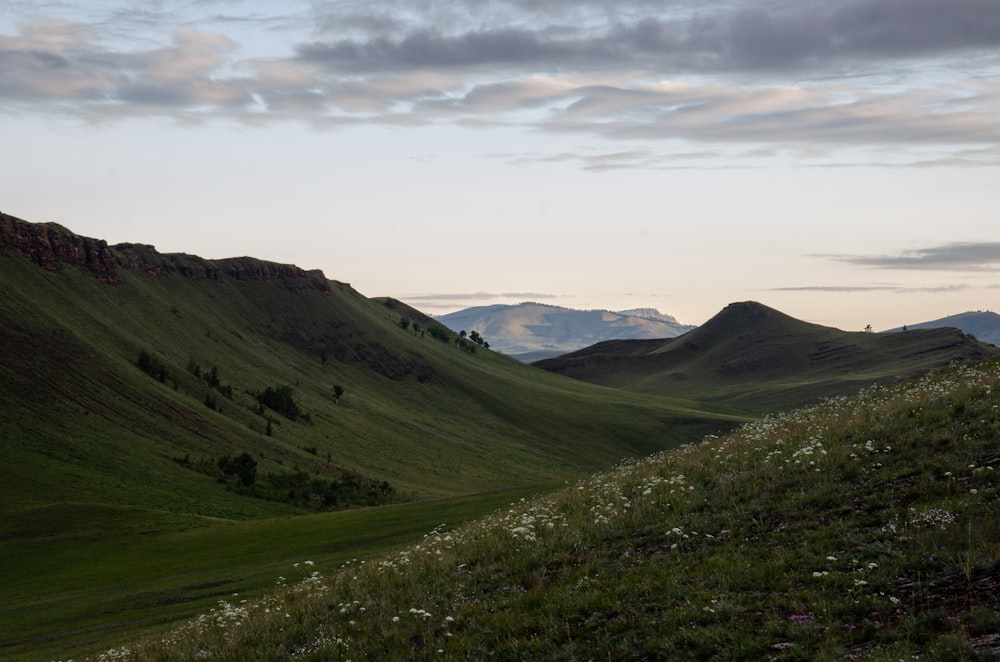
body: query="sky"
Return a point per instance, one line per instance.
(838, 160)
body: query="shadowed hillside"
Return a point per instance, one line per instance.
(755, 357)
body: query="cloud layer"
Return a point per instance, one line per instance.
(916, 78)
(958, 256)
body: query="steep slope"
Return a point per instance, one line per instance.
(983, 325)
(530, 328)
(754, 357)
(81, 420)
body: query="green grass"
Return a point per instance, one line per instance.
(77, 574)
(102, 531)
(864, 528)
(81, 422)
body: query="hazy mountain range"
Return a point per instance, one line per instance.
(533, 331)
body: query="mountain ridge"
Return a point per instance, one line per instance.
(531, 327)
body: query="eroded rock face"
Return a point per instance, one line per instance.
(50, 245)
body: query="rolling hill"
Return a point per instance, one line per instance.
(215, 418)
(756, 358)
(531, 331)
(418, 411)
(983, 325)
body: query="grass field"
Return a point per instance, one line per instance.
(78, 576)
(862, 529)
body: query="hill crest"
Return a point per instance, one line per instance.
(50, 245)
(752, 355)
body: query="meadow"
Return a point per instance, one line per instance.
(863, 528)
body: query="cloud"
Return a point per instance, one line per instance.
(61, 62)
(479, 296)
(895, 289)
(960, 256)
(710, 37)
(802, 78)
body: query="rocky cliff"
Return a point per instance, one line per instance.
(50, 245)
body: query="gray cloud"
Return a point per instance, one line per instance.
(611, 72)
(961, 256)
(480, 296)
(896, 289)
(749, 36)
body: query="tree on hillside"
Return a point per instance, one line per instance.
(280, 400)
(243, 467)
(151, 365)
(338, 391)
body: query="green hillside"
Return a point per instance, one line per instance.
(148, 400)
(862, 529)
(755, 358)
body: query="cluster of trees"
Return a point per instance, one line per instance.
(298, 488)
(405, 324)
(475, 337)
(211, 378)
(279, 399)
(243, 468)
(151, 365)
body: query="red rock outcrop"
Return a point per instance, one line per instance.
(49, 245)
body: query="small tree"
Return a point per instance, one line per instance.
(404, 323)
(338, 391)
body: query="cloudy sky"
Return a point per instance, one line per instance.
(836, 159)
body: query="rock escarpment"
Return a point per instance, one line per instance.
(50, 245)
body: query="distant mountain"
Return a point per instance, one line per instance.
(753, 357)
(539, 330)
(983, 325)
(649, 314)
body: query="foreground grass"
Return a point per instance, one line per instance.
(76, 577)
(864, 528)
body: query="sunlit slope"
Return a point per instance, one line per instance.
(81, 422)
(757, 358)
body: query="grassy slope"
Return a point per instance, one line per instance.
(93, 509)
(865, 528)
(754, 358)
(101, 429)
